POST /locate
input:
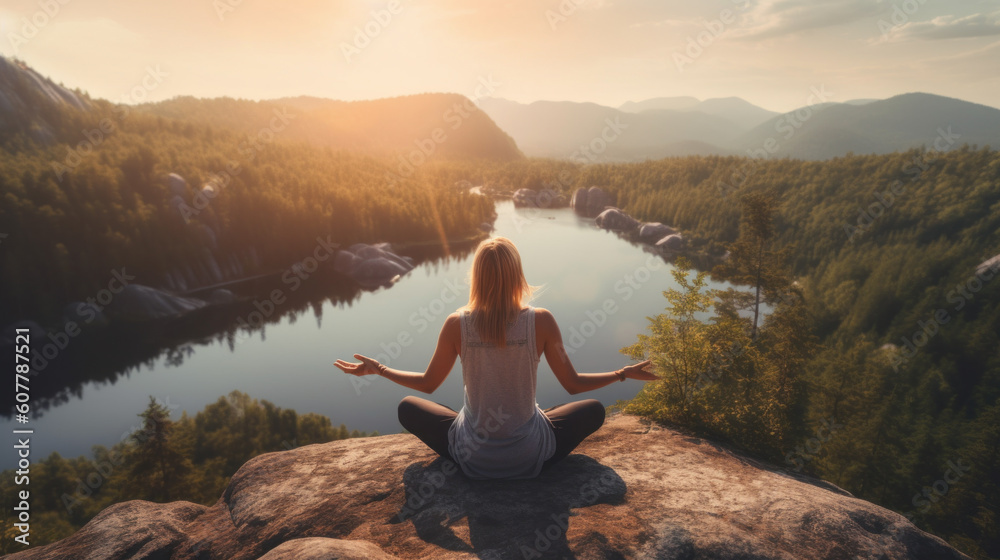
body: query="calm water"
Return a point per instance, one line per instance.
(583, 272)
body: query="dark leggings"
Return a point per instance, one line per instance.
(572, 422)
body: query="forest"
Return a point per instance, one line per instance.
(74, 213)
(159, 459)
(878, 368)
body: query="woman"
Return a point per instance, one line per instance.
(500, 432)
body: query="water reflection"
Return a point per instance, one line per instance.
(600, 288)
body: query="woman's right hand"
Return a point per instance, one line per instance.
(639, 371)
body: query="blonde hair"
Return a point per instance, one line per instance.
(497, 289)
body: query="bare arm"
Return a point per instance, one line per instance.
(440, 365)
(558, 359)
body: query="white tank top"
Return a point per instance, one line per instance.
(500, 431)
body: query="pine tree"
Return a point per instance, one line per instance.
(156, 462)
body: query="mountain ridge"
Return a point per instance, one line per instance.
(813, 132)
(419, 125)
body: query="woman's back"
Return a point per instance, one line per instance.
(500, 431)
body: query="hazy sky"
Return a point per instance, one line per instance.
(770, 52)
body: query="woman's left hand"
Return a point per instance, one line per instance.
(368, 366)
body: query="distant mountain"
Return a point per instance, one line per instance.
(878, 127)
(740, 111)
(35, 107)
(591, 132)
(32, 104)
(434, 123)
(678, 126)
(683, 103)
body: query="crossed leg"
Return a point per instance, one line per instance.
(571, 422)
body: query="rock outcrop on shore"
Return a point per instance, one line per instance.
(631, 490)
(138, 303)
(591, 202)
(616, 220)
(371, 266)
(545, 198)
(597, 203)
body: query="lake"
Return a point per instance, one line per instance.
(599, 286)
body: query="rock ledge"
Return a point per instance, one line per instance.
(633, 490)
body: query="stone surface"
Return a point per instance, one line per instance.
(136, 302)
(591, 202)
(371, 266)
(651, 232)
(176, 184)
(545, 198)
(617, 220)
(989, 267)
(631, 490)
(671, 243)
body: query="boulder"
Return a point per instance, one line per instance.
(84, 314)
(545, 198)
(345, 261)
(380, 271)
(989, 265)
(221, 296)
(632, 490)
(525, 197)
(176, 184)
(651, 232)
(35, 332)
(671, 243)
(383, 251)
(591, 202)
(136, 303)
(371, 265)
(616, 220)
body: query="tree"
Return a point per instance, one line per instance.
(157, 463)
(679, 347)
(750, 260)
